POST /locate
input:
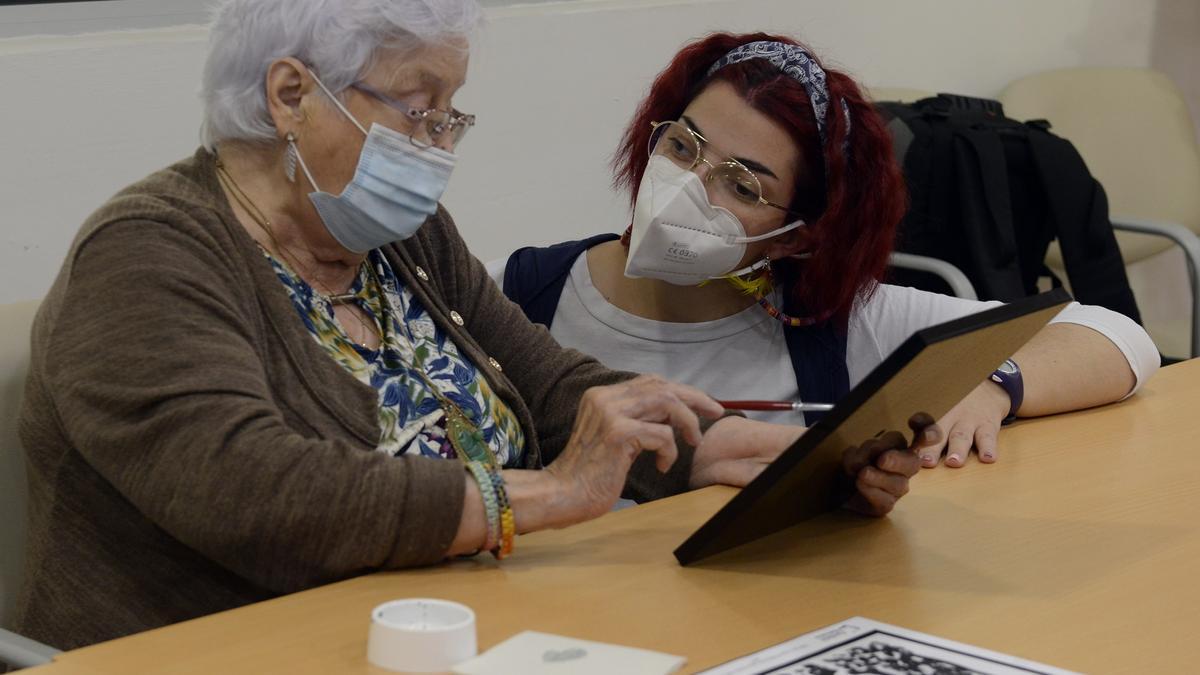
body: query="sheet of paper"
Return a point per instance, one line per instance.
(859, 645)
(534, 653)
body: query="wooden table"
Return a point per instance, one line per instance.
(1079, 548)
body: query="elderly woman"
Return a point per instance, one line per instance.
(275, 364)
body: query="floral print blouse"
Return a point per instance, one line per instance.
(411, 418)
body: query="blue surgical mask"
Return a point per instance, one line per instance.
(395, 188)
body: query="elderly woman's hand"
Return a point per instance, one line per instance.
(613, 426)
(880, 467)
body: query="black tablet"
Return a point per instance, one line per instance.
(930, 372)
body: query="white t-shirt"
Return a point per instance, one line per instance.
(745, 356)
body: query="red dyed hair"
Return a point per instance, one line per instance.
(851, 194)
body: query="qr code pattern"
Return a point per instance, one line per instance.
(876, 658)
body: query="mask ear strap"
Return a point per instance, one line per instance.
(336, 102)
(773, 233)
(748, 270)
(294, 151)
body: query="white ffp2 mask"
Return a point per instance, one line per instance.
(678, 235)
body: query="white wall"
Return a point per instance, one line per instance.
(1176, 48)
(552, 83)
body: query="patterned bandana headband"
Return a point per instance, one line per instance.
(797, 63)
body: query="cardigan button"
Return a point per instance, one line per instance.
(456, 318)
(495, 364)
(422, 275)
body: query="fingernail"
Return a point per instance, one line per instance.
(927, 460)
(952, 459)
(988, 456)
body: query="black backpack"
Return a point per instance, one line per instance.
(988, 194)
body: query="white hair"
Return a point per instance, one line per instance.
(338, 38)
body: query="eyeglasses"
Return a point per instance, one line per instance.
(730, 178)
(430, 126)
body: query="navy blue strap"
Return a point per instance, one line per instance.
(534, 277)
(818, 354)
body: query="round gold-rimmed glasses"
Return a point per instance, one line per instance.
(731, 181)
(431, 125)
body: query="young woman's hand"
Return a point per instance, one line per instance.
(735, 450)
(973, 423)
(881, 467)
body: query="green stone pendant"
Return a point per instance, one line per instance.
(466, 438)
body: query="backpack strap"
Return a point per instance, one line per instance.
(818, 355)
(970, 191)
(986, 215)
(534, 276)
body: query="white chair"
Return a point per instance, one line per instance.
(1132, 127)
(15, 323)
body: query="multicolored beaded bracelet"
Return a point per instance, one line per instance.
(508, 523)
(491, 506)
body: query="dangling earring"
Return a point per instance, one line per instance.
(289, 158)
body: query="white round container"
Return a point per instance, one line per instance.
(421, 635)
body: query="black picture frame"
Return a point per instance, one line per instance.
(930, 372)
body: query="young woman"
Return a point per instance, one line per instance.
(765, 201)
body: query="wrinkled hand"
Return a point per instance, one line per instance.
(880, 467)
(615, 424)
(735, 450)
(974, 422)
